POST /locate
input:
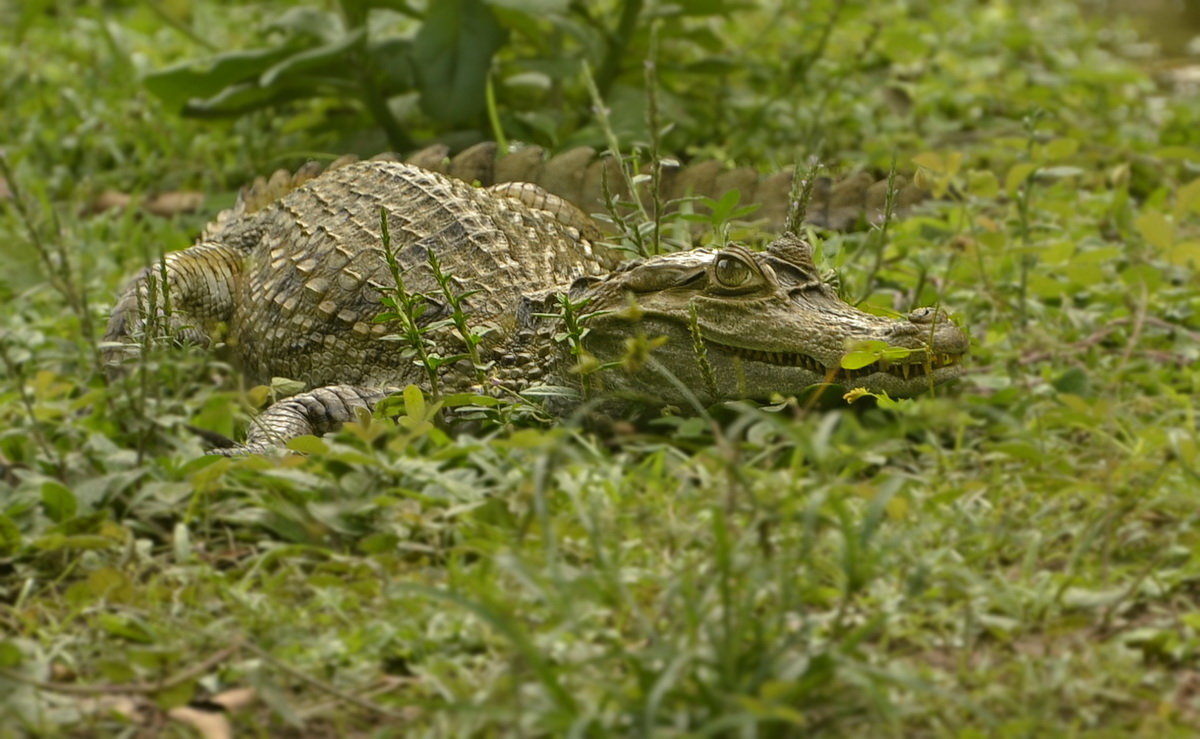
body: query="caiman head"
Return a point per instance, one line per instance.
(740, 324)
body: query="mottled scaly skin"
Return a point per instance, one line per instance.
(291, 280)
(298, 284)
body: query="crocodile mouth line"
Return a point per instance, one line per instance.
(903, 370)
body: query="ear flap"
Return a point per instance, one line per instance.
(794, 252)
(792, 249)
(582, 284)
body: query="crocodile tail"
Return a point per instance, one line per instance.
(581, 177)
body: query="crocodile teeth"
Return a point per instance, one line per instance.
(906, 370)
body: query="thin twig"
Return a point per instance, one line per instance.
(324, 687)
(190, 673)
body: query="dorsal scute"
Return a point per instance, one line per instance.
(265, 191)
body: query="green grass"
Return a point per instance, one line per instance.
(1016, 556)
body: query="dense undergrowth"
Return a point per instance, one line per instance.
(1015, 556)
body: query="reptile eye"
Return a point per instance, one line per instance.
(731, 271)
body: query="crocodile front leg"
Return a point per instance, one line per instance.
(315, 412)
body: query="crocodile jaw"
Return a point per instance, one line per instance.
(777, 346)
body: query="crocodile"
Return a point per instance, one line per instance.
(290, 280)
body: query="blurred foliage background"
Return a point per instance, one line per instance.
(1018, 556)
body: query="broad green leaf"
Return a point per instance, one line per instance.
(58, 501)
(452, 53)
(532, 7)
(903, 44)
(126, 627)
(203, 78)
(306, 21)
(10, 655)
(1185, 254)
(1017, 176)
(1154, 227)
(705, 7)
(392, 59)
(1178, 152)
(1187, 200)
(1061, 148)
(332, 54)
(983, 184)
(55, 542)
(243, 98)
(943, 164)
(1145, 275)
(110, 583)
(10, 536)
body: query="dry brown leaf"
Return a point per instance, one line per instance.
(235, 699)
(168, 204)
(110, 200)
(164, 204)
(208, 724)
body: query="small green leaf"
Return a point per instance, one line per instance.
(1059, 172)
(283, 386)
(457, 400)
(858, 359)
(308, 445)
(945, 165)
(414, 402)
(10, 655)
(1074, 381)
(176, 695)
